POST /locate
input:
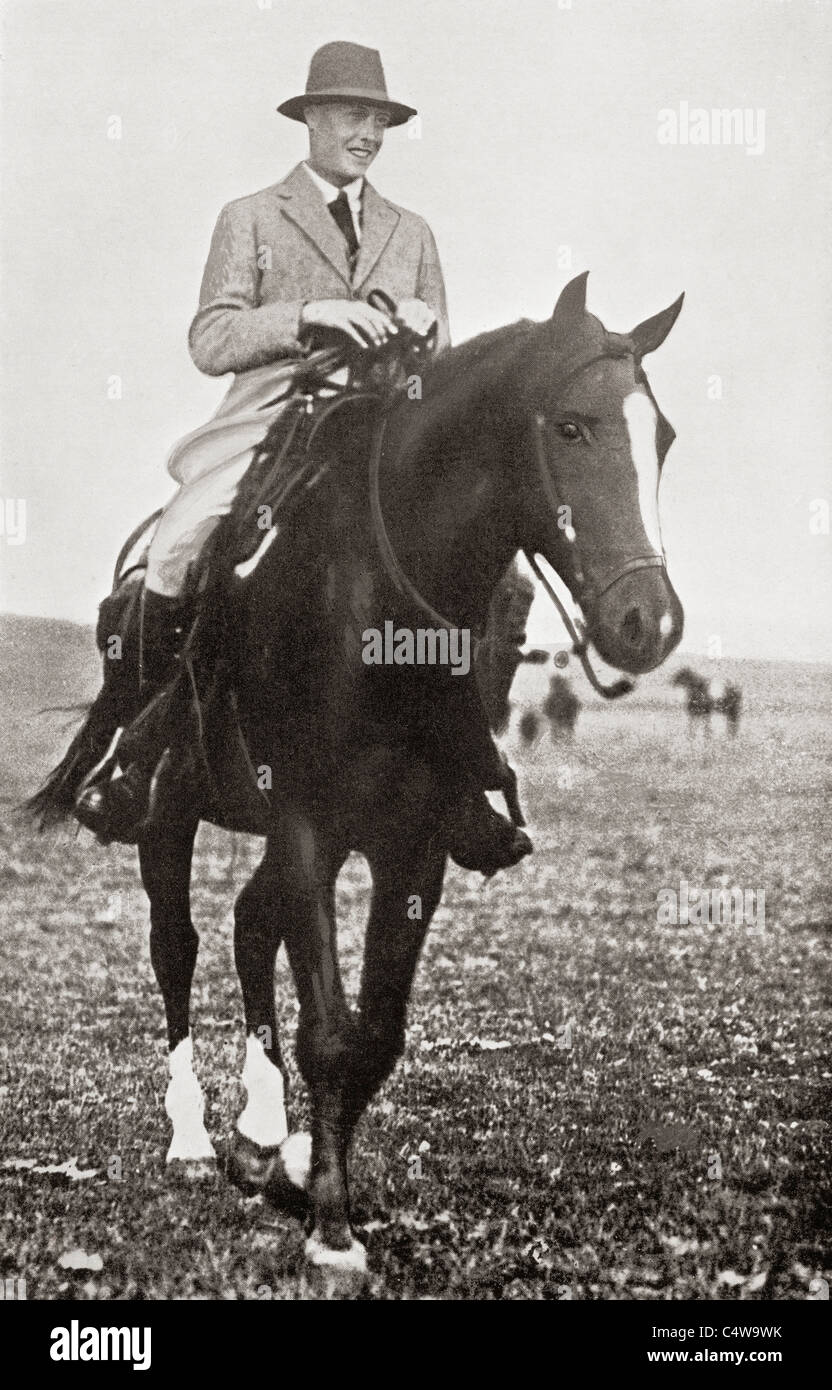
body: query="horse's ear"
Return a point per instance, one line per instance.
(571, 303)
(651, 334)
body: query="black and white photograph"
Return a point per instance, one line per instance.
(415, 593)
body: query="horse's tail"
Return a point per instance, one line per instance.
(54, 800)
(112, 706)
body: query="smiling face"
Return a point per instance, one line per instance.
(344, 138)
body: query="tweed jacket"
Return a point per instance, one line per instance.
(276, 250)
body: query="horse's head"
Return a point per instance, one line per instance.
(590, 500)
(685, 677)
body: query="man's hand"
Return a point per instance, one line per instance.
(415, 315)
(367, 326)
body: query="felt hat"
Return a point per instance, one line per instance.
(346, 72)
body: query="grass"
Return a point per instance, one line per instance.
(552, 1020)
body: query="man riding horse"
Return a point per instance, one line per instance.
(291, 268)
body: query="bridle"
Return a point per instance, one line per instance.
(575, 627)
(578, 588)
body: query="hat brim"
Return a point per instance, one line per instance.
(294, 107)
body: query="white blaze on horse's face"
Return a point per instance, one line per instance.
(641, 420)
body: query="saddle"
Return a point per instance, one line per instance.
(201, 702)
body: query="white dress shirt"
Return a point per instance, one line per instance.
(330, 193)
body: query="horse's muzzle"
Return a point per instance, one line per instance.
(637, 621)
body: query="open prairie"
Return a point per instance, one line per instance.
(593, 1104)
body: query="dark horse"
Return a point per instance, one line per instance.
(707, 697)
(543, 437)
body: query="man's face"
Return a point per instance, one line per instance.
(344, 138)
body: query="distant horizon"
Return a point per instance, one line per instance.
(530, 644)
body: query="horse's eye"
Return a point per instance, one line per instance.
(570, 431)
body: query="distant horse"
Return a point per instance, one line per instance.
(514, 428)
(528, 726)
(561, 706)
(707, 697)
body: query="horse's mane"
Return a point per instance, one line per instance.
(467, 369)
(461, 379)
(475, 352)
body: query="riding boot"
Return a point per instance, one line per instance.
(113, 800)
(480, 838)
(469, 763)
(162, 635)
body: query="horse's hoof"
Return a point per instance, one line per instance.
(334, 1273)
(191, 1170)
(278, 1172)
(248, 1165)
(286, 1185)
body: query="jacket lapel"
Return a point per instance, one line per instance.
(302, 202)
(378, 222)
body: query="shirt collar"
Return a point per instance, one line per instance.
(330, 191)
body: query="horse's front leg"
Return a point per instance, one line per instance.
(260, 1156)
(165, 855)
(407, 887)
(309, 866)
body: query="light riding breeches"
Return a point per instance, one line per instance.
(209, 465)
(188, 521)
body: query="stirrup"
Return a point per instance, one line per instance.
(103, 770)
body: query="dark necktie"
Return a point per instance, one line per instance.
(340, 209)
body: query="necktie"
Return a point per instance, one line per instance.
(340, 209)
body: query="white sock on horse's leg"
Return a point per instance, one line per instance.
(185, 1104)
(296, 1155)
(264, 1118)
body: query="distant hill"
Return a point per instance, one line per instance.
(45, 662)
(48, 663)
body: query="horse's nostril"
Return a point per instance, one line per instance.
(631, 628)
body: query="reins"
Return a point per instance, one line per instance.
(388, 555)
(623, 686)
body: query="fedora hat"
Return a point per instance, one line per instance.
(346, 72)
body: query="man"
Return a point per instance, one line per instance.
(286, 265)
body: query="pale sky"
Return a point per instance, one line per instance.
(539, 131)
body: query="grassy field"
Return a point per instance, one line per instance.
(553, 1022)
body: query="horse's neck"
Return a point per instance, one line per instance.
(450, 505)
